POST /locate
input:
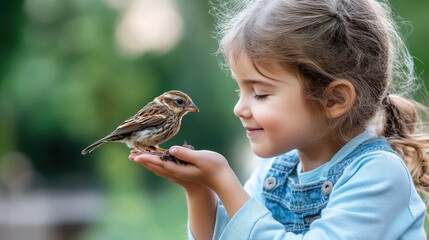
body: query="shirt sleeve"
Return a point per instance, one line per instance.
(253, 187)
(222, 219)
(373, 199)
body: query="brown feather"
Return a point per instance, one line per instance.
(143, 121)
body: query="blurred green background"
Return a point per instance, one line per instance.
(71, 71)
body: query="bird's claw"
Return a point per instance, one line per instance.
(186, 145)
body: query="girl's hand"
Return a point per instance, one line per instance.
(153, 168)
(203, 167)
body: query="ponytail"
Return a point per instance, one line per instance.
(400, 129)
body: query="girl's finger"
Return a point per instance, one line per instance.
(132, 156)
(168, 168)
(148, 158)
(154, 163)
(161, 172)
(186, 154)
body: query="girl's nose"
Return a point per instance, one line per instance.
(241, 110)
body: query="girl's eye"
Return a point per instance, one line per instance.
(256, 96)
(260, 97)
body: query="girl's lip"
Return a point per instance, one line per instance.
(252, 131)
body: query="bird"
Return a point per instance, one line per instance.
(154, 124)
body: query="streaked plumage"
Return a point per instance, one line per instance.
(154, 124)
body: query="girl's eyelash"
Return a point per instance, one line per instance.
(256, 96)
(260, 97)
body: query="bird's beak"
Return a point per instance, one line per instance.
(192, 108)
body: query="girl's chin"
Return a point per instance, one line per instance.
(263, 152)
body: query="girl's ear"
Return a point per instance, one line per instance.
(339, 98)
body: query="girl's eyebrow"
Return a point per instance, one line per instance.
(260, 82)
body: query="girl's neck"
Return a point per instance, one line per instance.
(320, 151)
(316, 155)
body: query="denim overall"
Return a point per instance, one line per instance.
(296, 206)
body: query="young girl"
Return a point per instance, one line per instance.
(314, 79)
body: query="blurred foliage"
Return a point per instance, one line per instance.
(414, 17)
(64, 83)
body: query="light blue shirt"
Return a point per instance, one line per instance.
(375, 198)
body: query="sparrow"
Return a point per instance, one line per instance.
(154, 124)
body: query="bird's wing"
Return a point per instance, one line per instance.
(147, 117)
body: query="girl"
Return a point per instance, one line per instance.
(314, 79)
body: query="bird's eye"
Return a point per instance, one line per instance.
(179, 101)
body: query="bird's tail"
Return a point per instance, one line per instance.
(93, 146)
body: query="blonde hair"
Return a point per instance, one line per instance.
(324, 40)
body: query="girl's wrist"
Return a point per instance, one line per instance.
(224, 180)
(231, 193)
(193, 189)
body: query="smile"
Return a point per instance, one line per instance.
(253, 131)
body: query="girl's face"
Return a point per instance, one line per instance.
(271, 107)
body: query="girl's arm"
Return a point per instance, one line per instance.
(201, 211)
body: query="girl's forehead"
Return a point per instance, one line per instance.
(242, 66)
(240, 63)
(242, 69)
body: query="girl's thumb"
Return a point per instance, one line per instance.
(185, 154)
